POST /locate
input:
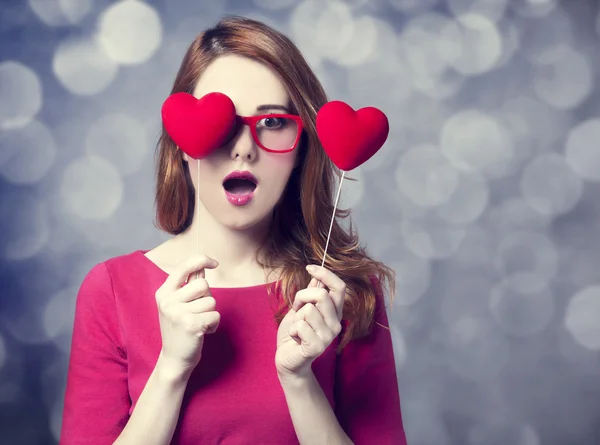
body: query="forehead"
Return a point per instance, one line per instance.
(247, 83)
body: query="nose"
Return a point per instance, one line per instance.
(243, 145)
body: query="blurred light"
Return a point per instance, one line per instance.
(475, 350)
(425, 176)
(464, 296)
(398, 343)
(581, 359)
(540, 125)
(59, 312)
(566, 81)
(121, 139)
(527, 261)
(426, 52)
(302, 18)
(334, 28)
(413, 6)
(384, 79)
(514, 214)
(60, 12)
(362, 43)
(511, 38)
(32, 153)
(431, 239)
(490, 9)
(582, 150)
(20, 94)
(92, 188)
(26, 326)
(550, 186)
(441, 86)
(478, 41)
(521, 314)
(413, 278)
(582, 315)
(476, 141)
(468, 200)
(82, 68)
(426, 423)
(56, 418)
(206, 13)
(533, 8)
(475, 249)
(515, 434)
(27, 230)
(544, 40)
(2, 352)
(352, 191)
(274, 5)
(520, 136)
(130, 32)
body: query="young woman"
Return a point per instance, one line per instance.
(221, 334)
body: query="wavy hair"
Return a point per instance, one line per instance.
(302, 217)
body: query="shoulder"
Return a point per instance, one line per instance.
(105, 274)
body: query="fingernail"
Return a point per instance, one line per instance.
(311, 268)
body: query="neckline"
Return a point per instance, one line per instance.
(156, 267)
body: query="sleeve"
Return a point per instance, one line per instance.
(367, 396)
(96, 406)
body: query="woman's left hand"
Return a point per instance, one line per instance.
(311, 325)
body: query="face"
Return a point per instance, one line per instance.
(251, 86)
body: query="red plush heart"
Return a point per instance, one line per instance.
(198, 126)
(350, 138)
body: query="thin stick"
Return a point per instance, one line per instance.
(198, 211)
(329, 234)
(337, 198)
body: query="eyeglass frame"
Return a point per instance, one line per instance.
(252, 120)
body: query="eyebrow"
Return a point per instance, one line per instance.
(272, 107)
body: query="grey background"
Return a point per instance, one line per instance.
(484, 199)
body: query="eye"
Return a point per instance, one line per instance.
(272, 123)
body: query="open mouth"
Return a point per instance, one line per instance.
(239, 186)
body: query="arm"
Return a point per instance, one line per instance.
(312, 416)
(155, 415)
(367, 396)
(97, 403)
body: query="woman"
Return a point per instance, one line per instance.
(160, 357)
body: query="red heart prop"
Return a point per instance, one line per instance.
(198, 126)
(350, 138)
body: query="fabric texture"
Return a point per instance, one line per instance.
(233, 396)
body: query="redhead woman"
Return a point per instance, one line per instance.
(231, 332)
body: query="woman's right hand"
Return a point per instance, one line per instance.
(186, 314)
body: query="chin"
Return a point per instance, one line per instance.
(245, 222)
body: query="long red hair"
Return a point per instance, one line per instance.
(301, 220)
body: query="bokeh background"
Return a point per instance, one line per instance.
(485, 199)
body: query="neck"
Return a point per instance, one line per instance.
(234, 249)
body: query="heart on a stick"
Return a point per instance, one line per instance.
(198, 126)
(350, 138)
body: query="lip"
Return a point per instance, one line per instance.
(239, 200)
(237, 174)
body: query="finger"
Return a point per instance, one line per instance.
(312, 295)
(316, 321)
(331, 281)
(193, 291)
(181, 274)
(313, 283)
(309, 338)
(200, 305)
(324, 305)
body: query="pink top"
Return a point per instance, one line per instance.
(233, 396)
